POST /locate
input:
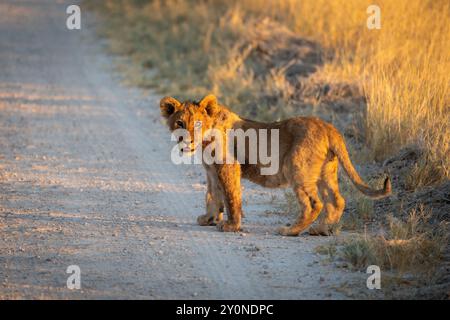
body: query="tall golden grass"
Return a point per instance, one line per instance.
(403, 68)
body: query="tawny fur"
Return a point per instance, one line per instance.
(309, 152)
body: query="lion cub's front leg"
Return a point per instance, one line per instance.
(214, 211)
(214, 204)
(229, 178)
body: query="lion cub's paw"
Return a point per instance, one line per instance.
(226, 226)
(288, 231)
(321, 230)
(206, 220)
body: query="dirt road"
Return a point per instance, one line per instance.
(86, 179)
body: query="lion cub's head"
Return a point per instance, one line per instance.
(188, 115)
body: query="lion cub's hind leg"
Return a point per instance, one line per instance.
(322, 228)
(334, 202)
(303, 172)
(338, 205)
(310, 206)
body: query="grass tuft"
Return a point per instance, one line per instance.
(412, 246)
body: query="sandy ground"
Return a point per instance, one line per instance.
(86, 179)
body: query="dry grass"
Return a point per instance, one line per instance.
(206, 46)
(424, 173)
(413, 246)
(357, 219)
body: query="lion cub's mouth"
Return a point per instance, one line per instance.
(187, 148)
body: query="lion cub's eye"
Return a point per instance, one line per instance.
(179, 124)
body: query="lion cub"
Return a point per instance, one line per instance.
(307, 152)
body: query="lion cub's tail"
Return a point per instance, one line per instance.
(340, 150)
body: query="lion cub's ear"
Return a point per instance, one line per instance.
(209, 103)
(168, 106)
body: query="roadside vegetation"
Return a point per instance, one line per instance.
(409, 254)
